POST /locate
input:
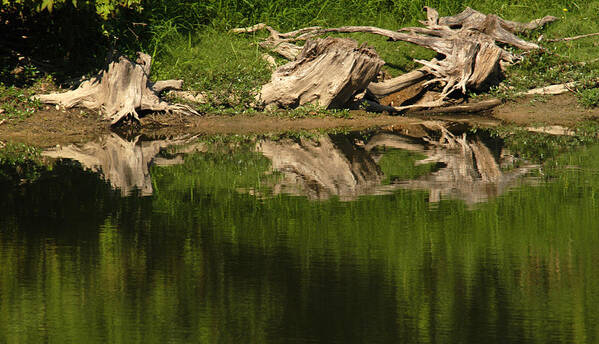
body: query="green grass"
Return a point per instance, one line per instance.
(589, 97)
(15, 103)
(227, 68)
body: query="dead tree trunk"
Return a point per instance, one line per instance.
(120, 91)
(327, 72)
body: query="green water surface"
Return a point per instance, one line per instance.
(204, 260)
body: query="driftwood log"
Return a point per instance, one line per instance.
(120, 91)
(469, 46)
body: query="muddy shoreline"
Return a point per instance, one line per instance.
(50, 127)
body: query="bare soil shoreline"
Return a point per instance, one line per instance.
(50, 127)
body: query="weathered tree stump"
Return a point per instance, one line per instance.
(327, 72)
(120, 91)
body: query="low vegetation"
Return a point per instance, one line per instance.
(15, 103)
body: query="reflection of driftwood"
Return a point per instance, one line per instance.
(124, 164)
(120, 91)
(327, 72)
(389, 140)
(326, 166)
(468, 43)
(321, 168)
(471, 171)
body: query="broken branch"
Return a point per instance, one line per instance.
(566, 39)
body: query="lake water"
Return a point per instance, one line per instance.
(375, 237)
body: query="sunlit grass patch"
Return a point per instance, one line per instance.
(589, 97)
(228, 68)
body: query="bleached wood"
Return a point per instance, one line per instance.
(165, 85)
(552, 89)
(383, 88)
(328, 72)
(566, 39)
(120, 91)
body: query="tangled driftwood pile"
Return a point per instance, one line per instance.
(470, 57)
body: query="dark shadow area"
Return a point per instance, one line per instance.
(67, 43)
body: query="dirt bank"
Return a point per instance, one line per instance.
(50, 127)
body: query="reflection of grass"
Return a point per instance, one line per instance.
(19, 162)
(219, 170)
(398, 164)
(220, 266)
(539, 147)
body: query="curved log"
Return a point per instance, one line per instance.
(483, 105)
(384, 88)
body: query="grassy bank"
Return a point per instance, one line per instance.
(190, 40)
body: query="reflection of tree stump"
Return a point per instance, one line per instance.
(328, 72)
(120, 91)
(321, 168)
(470, 172)
(123, 163)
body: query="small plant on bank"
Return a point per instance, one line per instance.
(588, 97)
(15, 103)
(309, 111)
